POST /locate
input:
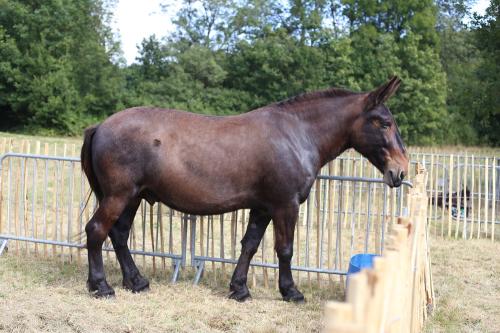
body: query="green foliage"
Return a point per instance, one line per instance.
(470, 59)
(55, 65)
(487, 109)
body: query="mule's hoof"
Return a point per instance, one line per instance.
(293, 295)
(137, 284)
(240, 295)
(100, 289)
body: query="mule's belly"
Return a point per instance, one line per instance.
(201, 199)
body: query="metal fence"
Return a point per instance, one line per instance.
(463, 191)
(44, 209)
(464, 195)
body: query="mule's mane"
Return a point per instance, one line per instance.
(313, 95)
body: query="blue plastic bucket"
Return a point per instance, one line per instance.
(360, 261)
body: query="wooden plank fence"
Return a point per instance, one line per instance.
(397, 294)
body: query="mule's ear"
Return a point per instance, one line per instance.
(382, 93)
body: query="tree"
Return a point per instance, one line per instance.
(56, 70)
(399, 37)
(487, 106)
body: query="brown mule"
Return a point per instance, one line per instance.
(265, 160)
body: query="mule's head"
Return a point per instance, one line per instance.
(376, 136)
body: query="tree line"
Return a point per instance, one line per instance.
(61, 67)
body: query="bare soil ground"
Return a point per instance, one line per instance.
(45, 295)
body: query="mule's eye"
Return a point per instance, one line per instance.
(385, 126)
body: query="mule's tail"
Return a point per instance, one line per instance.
(86, 159)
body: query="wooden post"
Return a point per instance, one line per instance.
(472, 191)
(25, 197)
(443, 198)
(2, 147)
(459, 196)
(393, 296)
(450, 188)
(331, 216)
(37, 152)
(233, 234)
(151, 231)
(479, 203)
(317, 198)
(297, 237)
(486, 196)
(464, 229)
(54, 205)
(493, 199)
(431, 196)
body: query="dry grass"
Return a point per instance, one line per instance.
(467, 283)
(47, 295)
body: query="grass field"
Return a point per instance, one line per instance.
(46, 295)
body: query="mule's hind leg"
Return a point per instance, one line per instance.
(257, 225)
(284, 220)
(97, 230)
(119, 234)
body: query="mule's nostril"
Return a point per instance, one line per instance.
(402, 175)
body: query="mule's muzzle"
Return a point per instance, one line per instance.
(394, 177)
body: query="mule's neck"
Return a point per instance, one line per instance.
(330, 122)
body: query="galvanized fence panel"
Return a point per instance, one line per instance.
(464, 195)
(43, 209)
(330, 229)
(463, 191)
(45, 202)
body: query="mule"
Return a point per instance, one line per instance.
(265, 160)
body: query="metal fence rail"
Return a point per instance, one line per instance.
(44, 205)
(43, 209)
(331, 228)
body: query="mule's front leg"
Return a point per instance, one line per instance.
(257, 225)
(97, 230)
(284, 221)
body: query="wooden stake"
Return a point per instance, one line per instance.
(318, 224)
(493, 201)
(479, 203)
(459, 196)
(450, 188)
(151, 230)
(472, 191)
(465, 199)
(486, 196)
